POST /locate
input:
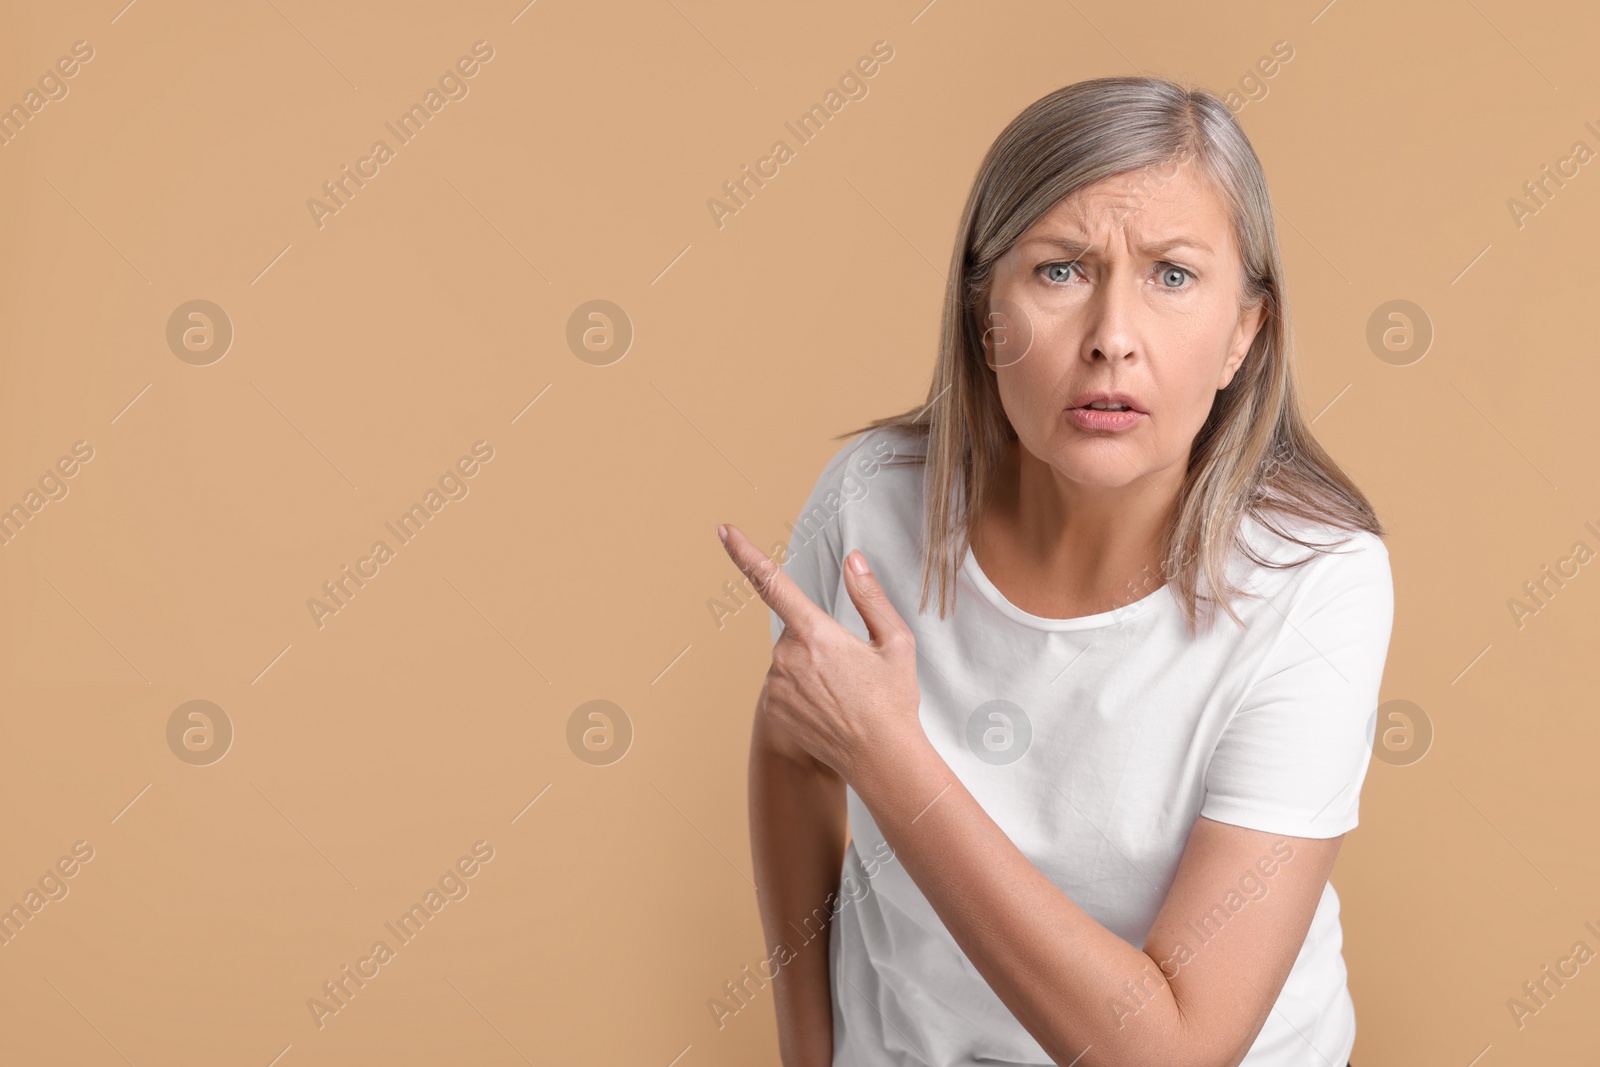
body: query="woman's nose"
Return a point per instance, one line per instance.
(1114, 310)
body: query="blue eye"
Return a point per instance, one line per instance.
(1066, 268)
(1172, 269)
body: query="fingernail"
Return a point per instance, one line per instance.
(722, 533)
(858, 563)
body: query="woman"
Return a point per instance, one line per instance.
(1092, 821)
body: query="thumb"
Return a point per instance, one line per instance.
(883, 622)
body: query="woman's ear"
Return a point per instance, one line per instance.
(1250, 319)
(1229, 369)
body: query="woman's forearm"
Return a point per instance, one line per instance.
(1052, 965)
(798, 827)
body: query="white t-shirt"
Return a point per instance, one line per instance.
(1116, 731)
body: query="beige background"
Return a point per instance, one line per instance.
(371, 353)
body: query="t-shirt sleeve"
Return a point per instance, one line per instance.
(1294, 755)
(816, 554)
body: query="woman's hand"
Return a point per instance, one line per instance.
(846, 701)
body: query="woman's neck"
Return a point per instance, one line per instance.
(1073, 548)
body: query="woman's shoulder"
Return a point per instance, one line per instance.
(1283, 535)
(867, 456)
(1298, 551)
(870, 483)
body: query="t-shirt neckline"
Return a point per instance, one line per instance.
(992, 593)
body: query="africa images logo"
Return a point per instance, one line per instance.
(452, 86)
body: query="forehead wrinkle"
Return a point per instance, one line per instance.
(1140, 230)
(1105, 215)
(1120, 205)
(1079, 245)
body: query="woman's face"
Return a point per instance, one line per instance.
(1131, 286)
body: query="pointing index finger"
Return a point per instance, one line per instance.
(775, 588)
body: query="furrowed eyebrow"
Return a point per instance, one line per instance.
(1079, 248)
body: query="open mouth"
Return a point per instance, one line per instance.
(1107, 400)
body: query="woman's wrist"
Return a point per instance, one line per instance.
(895, 762)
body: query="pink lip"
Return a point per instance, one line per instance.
(1109, 421)
(1086, 399)
(1088, 418)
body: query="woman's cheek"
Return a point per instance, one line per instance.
(1028, 392)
